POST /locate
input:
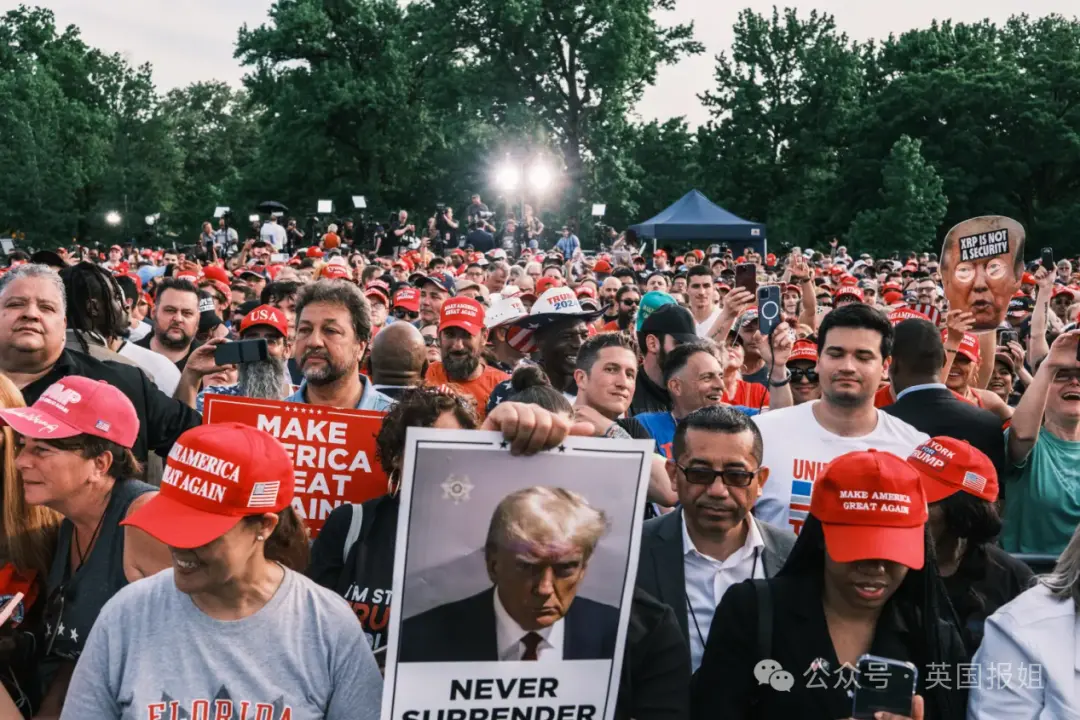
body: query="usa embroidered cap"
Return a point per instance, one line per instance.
(872, 507)
(267, 315)
(77, 405)
(949, 466)
(215, 476)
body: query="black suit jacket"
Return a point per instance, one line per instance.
(724, 687)
(661, 570)
(937, 411)
(464, 631)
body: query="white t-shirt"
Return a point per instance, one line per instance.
(797, 448)
(273, 234)
(164, 371)
(705, 325)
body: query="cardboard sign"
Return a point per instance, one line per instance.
(449, 654)
(981, 267)
(332, 449)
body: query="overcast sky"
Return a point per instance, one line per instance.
(191, 40)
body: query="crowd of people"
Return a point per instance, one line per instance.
(876, 473)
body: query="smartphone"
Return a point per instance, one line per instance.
(768, 302)
(884, 685)
(1048, 258)
(746, 277)
(279, 258)
(1007, 336)
(11, 606)
(242, 351)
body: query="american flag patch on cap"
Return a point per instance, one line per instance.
(264, 494)
(974, 482)
(102, 426)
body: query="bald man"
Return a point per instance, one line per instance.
(398, 359)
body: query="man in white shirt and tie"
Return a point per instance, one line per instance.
(537, 552)
(690, 557)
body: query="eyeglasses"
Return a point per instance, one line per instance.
(630, 303)
(798, 375)
(707, 476)
(403, 314)
(430, 340)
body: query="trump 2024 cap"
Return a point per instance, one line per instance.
(871, 506)
(215, 476)
(949, 466)
(77, 405)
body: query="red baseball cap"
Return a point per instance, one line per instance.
(586, 291)
(850, 291)
(190, 275)
(407, 298)
(464, 313)
(77, 405)
(969, 346)
(892, 297)
(266, 315)
(335, 272)
(216, 475)
(546, 283)
(804, 350)
(948, 466)
(602, 266)
(213, 272)
(871, 506)
(314, 252)
(1027, 279)
(900, 314)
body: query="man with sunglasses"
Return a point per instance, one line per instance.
(690, 557)
(406, 304)
(802, 369)
(627, 300)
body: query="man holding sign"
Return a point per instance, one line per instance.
(982, 263)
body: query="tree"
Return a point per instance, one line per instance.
(577, 66)
(913, 204)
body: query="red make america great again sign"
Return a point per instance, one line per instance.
(333, 450)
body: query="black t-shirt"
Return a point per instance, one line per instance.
(472, 212)
(145, 343)
(365, 576)
(395, 239)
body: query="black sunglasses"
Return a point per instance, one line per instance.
(630, 303)
(403, 314)
(707, 476)
(798, 375)
(430, 340)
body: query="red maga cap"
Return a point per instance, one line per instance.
(464, 313)
(215, 476)
(948, 466)
(407, 298)
(969, 346)
(872, 507)
(77, 405)
(804, 350)
(266, 315)
(335, 272)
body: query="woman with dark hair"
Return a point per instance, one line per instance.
(860, 580)
(529, 384)
(75, 458)
(962, 488)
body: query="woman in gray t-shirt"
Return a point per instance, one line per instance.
(226, 632)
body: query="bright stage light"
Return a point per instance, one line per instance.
(540, 176)
(113, 218)
(507, 177)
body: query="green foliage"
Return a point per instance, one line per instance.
(914, 204)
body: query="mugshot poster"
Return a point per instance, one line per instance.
(332, 449)
(982, 263)
(513, 577)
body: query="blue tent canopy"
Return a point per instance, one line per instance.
(695, 217)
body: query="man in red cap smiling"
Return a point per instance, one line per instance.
(462, 337)
(267, 379)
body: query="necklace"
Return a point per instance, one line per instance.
(90, 545)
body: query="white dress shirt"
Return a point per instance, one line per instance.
(707, 579)
(509, 635)
(1029, 661)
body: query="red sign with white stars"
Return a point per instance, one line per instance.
(332, 449)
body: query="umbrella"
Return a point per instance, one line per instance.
(269, 206)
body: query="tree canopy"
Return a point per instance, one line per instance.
(885, 144)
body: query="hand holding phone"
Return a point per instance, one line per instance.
(1048, 258)
(884, 685)
(242, 351)
(746, 277)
